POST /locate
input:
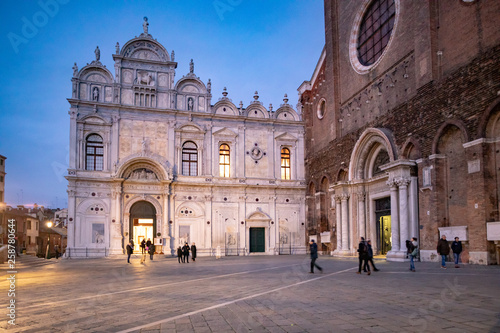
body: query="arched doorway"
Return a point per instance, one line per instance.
(142, 222)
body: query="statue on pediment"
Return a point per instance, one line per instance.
(145, 25)
(97, 53)
(75, 70)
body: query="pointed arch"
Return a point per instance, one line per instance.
(444, 127)
(368, 141)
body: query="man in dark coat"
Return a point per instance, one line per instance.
(151, 251)
(443, 249)
(185, 253)
(179, 255)
(143, 245)
(129, 252)
(370, 255)
(313, 248)
(363, 256)
(193, 251)
(456, 247)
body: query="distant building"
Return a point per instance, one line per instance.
(402, 119)
(151, 157)
(61, 218)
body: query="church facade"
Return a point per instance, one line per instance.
(153, 158)
(402, 117)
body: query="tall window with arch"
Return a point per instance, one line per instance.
(224, 160)
(285, 163)
(189, 159)
(94, 153)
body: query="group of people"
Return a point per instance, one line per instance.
(365, 253)
(365, 256)
(443, 248)
(183, 253)
(147, 247)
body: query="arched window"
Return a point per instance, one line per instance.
(189, 159)
(224, 160)
(94, 153)
(285, 163)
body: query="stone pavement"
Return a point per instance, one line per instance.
(252, 294)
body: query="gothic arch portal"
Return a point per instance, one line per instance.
(371, 140)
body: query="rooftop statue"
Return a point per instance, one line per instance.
(97, 53)
(145, 25)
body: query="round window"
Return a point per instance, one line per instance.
(372, 32)
(321, 109)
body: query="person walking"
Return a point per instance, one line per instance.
(130, 250)
(370, 255)
(56, 248)
(143, 258)
(313, 249)
(193, 251)
(143, 245)
(456, 247)
(363, 256)
(185, 253)
(443, 249)
(148, 243)
(151, 251)
(179, 255)
(412, 252)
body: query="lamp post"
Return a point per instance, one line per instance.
(49, 225)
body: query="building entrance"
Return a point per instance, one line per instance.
(143, 229)
(383, 218)
(257, 239)
(142, 223)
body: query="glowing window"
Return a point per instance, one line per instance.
(224, 160)
(285, 163)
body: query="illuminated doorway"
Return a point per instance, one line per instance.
(142, 223)
(143, 230)
(383, 218)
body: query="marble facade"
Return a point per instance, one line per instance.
(142, 120)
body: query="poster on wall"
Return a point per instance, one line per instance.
(184, 234)
(98, 233)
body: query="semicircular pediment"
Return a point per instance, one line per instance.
(141, 174)
(144, 49)
(96, 74)
(145, 160)
(144, 54)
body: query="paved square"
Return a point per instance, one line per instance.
(253, 294)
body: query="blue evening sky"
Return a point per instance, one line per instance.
(263, 45)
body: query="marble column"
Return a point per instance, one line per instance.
(71, 219)
(345, 223)
(403, 210)
(338, 216)
(394, 216)
(413, 207)
(362, 232)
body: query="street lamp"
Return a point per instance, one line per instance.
(49, 225)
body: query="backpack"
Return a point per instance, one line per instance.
(363, 249)
(409, 247)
